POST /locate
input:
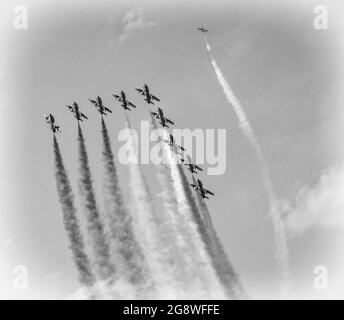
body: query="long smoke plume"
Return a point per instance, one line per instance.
(102, 265)
(281, 252)
(222, 265)
(220, 262)
(130, 262)
(71, 222)
(148, 226)
(224, 270)
(189, 226)
(175, 224)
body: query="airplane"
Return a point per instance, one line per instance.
(174, 147)
(202, 29)
(98, 103)
(77, 113)
(145, 92)
(202, 191)
(163, 119)
(126, 104)
(192, 167)
(49, 118)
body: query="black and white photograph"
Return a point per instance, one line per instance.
(171, 150)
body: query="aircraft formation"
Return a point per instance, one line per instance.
(128, 105)
(159, 114)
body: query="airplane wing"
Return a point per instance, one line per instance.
(193, 186)
(155, 98)
(208, 192)
(49, 119)
(154, 114)
(162, 122)
(70, 108)
(169, 121)
(83, 116)
(198, 168)
(131, 104)
(140, 90)
(118, 98)
(107, 109)
(189, 167)
(93, 101)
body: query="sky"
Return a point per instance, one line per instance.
(286, 73)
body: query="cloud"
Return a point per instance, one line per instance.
(134, 21)
(320, 205)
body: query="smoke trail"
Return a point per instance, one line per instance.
(172, 223)
(128, 255)
(196, 279)
(223, 266)
(71, 222)
(148, 226)
(225, 273)
(246, 129)
(197, 248)
(100, 249)
(202, 207)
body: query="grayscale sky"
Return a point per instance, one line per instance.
(287, 74)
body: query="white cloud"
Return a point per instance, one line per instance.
(320, 205)
(133, 21)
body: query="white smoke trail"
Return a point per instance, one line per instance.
(281, 253)
(223, 266)
(170, 220)
(148, 227)
(224, 270)
(194, 284)
(190, 228)
(131, 265)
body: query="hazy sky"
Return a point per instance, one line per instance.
(286, 74)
